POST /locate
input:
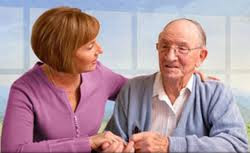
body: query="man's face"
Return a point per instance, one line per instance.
(180, 50)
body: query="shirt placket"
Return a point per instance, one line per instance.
(77, 127)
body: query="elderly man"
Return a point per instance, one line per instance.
(173, 110)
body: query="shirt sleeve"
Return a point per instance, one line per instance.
(18, 127)
(227, 131)
(113, 81)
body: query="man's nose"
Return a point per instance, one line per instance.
(171, 55)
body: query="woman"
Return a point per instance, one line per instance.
(58, 105)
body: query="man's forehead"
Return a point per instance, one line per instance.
(174, 40)
(182, 30)
(171, 36)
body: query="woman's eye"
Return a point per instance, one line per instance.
(90, 46)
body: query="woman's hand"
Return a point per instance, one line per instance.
(106, 138)
(118, 147)
(204, 77)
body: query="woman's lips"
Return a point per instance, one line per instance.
(94, 62)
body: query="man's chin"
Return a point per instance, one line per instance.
(172, 76)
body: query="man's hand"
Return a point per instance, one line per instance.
(150, 142)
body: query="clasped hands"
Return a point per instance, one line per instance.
(140, 142)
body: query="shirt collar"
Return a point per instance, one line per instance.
(189, 85)
(158, 86)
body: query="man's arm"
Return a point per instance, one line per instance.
(227, 132)
(118, 123)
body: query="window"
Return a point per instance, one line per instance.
(129, 31)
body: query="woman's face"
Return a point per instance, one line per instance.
(86, 56)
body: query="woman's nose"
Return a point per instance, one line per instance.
(99, 48)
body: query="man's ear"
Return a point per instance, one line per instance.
(157, 46)
(202, 56)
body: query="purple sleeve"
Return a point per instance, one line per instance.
(113, 81)
(17, 132)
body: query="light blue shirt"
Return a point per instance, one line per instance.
(210, 121)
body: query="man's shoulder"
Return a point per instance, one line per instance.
(213, 89)
(136, 93)
(210, 84)
(138, 85)
(143, 78)
(141, 81)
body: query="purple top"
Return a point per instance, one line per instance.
(39, 117)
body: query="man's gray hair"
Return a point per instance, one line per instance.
(198, 26)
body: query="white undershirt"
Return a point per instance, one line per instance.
(165, 116)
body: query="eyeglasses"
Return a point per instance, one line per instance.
(183, 50)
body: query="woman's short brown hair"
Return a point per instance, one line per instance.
(59, 32)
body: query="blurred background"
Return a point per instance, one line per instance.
(129, 31)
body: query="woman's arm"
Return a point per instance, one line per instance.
(112, 81)
(18, 128)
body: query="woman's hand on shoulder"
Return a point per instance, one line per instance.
(204, 77)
